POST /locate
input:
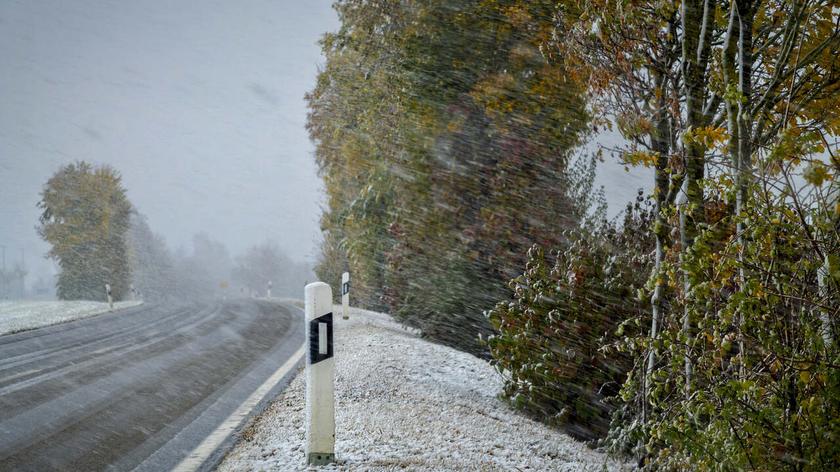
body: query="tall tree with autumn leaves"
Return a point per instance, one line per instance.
(85, 216)
(744, 332)
(444, 136)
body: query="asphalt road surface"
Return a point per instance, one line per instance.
(138, 389)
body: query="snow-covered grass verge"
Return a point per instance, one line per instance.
(405, 403)
(24, 315)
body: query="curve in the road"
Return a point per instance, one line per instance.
(139, 388)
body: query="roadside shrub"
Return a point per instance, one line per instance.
(764, 391)
(565, 307)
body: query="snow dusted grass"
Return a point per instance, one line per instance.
(408, 404)
(24, 315)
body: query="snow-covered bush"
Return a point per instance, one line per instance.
(565, 307)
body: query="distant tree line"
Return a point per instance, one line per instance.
(698, 332)
(12, 282)
(98, 237)
(152, 265)
(265, 263)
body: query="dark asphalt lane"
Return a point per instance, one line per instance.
(138, 388)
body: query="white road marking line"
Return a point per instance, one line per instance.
(200, 454)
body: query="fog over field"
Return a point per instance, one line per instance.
(199, 105)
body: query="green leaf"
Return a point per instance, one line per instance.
(816, 173)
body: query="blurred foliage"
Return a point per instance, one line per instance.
(331, 263)
(13, 282)
(85, 217)
(443, 137)
(564, 308)
(205, 272)
(266, 263)
(151, 262)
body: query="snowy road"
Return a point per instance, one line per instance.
(138, 389)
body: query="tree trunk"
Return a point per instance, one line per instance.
(697, 26)
(660, 142)
(746, 12)
(829, 296)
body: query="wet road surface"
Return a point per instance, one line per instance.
(137, 389)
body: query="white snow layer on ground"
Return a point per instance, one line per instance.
(405, 403)
(23, 315)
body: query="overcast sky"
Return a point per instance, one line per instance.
(199, 104)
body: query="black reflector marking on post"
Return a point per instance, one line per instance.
(345, 288)
(315, 354)
(322, 338)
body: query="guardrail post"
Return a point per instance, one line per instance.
(320, 375)
(345, 295)
(110, 299)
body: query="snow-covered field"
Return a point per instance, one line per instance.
(23, 315)
(404, 403)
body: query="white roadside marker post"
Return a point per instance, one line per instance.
(110, 299)
(320, 375)
(268, 290)
(345, 295)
